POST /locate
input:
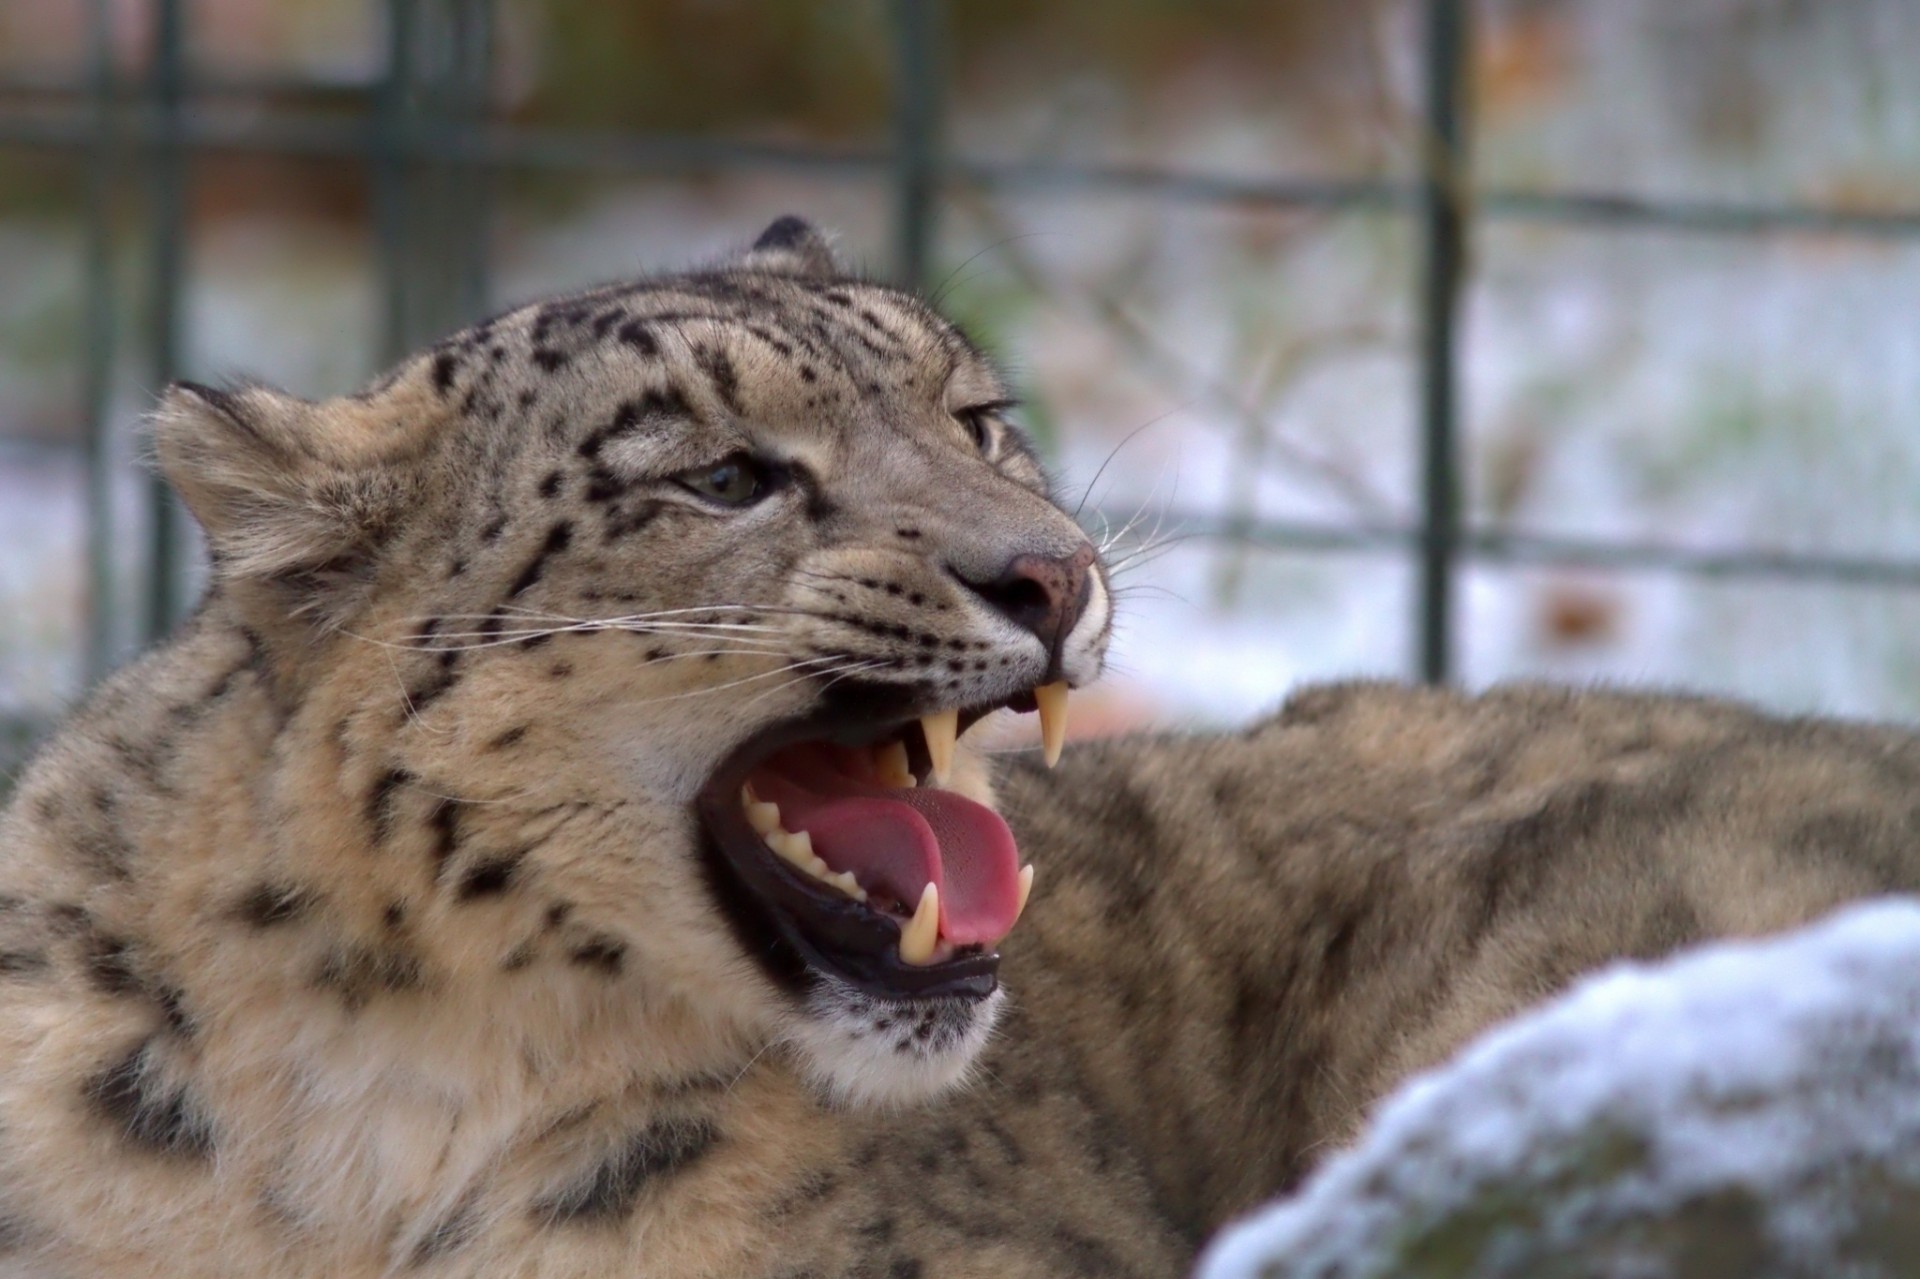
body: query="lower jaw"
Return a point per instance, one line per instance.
(794, 960)
(822, 934)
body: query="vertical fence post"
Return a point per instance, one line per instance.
(169, 214)
(1443, 198)
(388, 153)
(917, 90)
(98, 338)
(472, 93)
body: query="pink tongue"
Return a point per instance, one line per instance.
(896, 842)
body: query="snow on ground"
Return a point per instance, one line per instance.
(1750, 1108)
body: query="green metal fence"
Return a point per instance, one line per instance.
(430, 145)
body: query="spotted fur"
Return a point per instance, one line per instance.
(364, 929)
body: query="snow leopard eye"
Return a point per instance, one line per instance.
(739, 479)
(979, 423)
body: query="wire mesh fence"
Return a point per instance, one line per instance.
(433, 147)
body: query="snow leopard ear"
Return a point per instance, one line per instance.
(291, 493)
(792, 246)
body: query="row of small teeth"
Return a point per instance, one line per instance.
(920, 935)
(795, 846)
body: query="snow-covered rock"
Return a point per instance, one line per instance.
(1748, 1109)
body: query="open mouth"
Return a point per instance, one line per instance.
(835, 845)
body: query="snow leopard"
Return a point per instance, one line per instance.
(558, 844)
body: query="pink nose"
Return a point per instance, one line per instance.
(1044, 594)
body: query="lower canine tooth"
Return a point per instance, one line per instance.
(923, 930)
(1026, 888)
(940, 728)
(1052, 701)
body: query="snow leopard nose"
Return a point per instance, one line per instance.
(1044, 594)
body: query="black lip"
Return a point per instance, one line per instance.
(788, 922)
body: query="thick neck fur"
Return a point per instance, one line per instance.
(308, 941)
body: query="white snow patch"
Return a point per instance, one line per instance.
(1757, 1066)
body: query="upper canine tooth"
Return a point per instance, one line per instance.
(1052, 701)
(940, 729)
(1026, 889)
(923, 930)
(763, 816)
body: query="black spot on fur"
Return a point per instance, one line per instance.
(172, 1007)
(394, 915)
(550, 484)
(379, 807)
(131, 1095)
(874, 322)
(437, 682)
(443, 823)
(633, 415)
(610, 1192)
(269, 905)
(490, 878)
(625, 522)
(550, 360)
(607, 954)
(512, 737)
(820, 508)
(565, 313)
(558, 538)
(357, 973)
(443, 369)
(638, 336)
(494, 528)
(718, 367)
(22, 963)
(557, 913)
(772, 339)
(109, 966)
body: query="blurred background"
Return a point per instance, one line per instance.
(1446, 339)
